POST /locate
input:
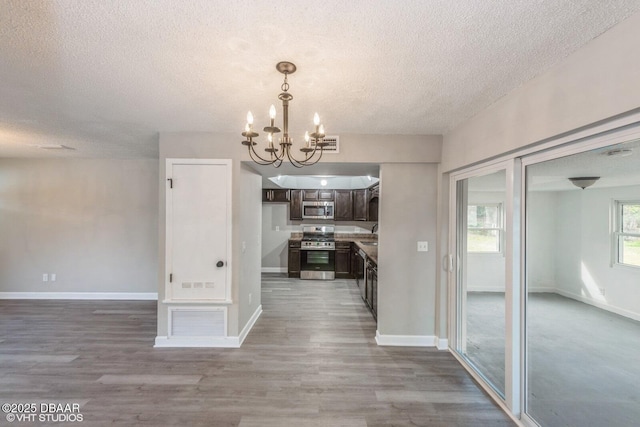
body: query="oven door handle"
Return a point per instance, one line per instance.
(317, 249)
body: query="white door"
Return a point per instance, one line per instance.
(198, 230)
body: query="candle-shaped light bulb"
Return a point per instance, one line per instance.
(270, 138)
(272, 112)
(246, 127)
(321, 130)
(249, 118)
(306, 138)
(316, 119)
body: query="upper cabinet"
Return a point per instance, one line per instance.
(275, 196)
(373, 200)
(317, 195)
(295, 205)
(343, 205)
(361, 205)
(350, 205)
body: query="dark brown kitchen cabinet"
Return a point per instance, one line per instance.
(360, 205)
(294, 258)
(343, 210)
(317, 195)
(275, 196)
(325, 195)
(310, 195)
(372, 287)
(295, 205)
(372, 208)
(343, 260)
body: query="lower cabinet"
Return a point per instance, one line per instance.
(372, 285)
(343, 260)
(294, 258)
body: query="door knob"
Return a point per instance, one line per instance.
(220, 264)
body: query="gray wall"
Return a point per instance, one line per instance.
(407, 278)
(91, 222)
(250, 236)
(245, 216)
(415, 313)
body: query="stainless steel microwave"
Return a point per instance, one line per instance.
(317, 210)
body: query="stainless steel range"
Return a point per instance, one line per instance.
(318, 252)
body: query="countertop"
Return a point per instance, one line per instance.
(358, 238)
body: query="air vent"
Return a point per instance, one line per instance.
(198, 322)
(334, 144)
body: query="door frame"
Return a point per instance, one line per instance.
(512, 222)
(170, 162)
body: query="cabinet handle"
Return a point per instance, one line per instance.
(220, 264)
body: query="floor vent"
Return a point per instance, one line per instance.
(334, 144)
(209, 322)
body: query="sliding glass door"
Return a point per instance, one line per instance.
(582, 281)
(483, 292)
(545, 290)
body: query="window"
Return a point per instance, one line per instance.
(484, 228)
(627, 233)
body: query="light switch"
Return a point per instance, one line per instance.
(423, 246)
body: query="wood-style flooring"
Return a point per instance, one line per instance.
(310, 360)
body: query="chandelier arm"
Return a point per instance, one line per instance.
(308, 161)
(294, 161)
(262, 161)
(311, 157)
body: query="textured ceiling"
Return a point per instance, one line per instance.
(104, 77)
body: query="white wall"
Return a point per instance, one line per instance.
(543, 247)
(597, 82)
(91, 222)
(583, 254)
(569, 248)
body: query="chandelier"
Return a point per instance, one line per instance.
(314, 142)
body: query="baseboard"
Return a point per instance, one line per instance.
(613, 309)
(150, 296)
(274, 269)
(252, 321)
(541, 290)
(218, 342)
(442, 343)
(405, 340)
(485, 289)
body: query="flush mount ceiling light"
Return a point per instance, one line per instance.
(277, 156)
(584, 181)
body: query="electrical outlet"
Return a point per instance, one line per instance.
(45, 277)
(423, 246)
(277, 228)
(53, 277)
(602, 290)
